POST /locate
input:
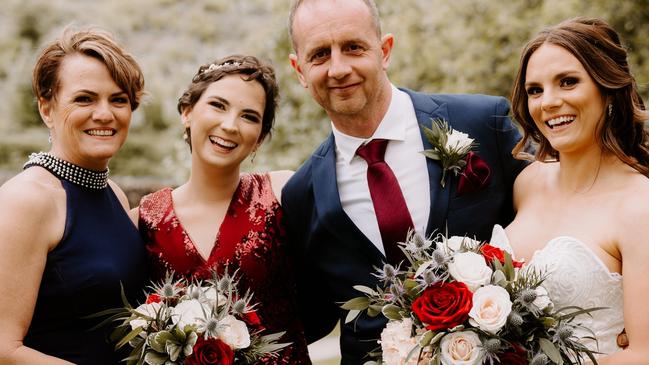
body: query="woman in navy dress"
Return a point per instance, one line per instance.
(220, 218)
(66, 242)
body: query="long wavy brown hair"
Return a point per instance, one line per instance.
(597, 46)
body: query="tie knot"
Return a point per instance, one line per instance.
(373, 151)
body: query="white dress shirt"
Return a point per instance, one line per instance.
(403, 155)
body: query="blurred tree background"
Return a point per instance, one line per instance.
(457, 46)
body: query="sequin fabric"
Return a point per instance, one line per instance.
(250, 239)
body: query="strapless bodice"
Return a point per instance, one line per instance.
(578, 277)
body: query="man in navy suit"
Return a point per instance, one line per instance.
(341, 57)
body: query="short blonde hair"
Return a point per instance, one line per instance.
(92, 42)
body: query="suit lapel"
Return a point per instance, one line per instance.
(425, 110)
(327, 201)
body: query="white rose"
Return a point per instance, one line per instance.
(396, 342)
(188, 312)
(471, 269)
(457, 141)
(454, 243)
(461, 348)
(542, 300)
(491, 306)
(150, 310)
(233, 332)
(211, 295)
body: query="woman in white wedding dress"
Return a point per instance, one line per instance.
(583, 207)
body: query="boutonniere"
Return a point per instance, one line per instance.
(453, 150)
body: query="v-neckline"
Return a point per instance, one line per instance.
(218, 232)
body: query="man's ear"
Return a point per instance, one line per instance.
(45, 110)
(387, 42)
(298, 70)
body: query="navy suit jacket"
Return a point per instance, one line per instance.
(332, 254)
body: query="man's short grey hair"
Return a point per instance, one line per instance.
(374, 10)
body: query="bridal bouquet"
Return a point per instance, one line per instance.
(193, 323)
(460, 301)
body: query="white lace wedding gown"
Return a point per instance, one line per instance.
(577, 277)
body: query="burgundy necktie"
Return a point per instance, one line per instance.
(389, 205)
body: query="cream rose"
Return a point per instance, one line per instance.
(457, 141)
(396, 342)
(542, 300)
(455, 242)
(491, 306)
(461, 348)
(233, 332)
(188, 312)
(212, 297)
(150, 310)
(471, 269)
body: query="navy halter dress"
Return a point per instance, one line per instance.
(100, 249)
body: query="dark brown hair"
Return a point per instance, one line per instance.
(91, 42)
(251, 69)
(597, 46)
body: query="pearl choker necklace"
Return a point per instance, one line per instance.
(68, 171)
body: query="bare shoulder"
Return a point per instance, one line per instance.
(120, 194)
(33, 198)
(532, 179)
(278, 179)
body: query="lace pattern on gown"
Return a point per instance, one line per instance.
(576, 276)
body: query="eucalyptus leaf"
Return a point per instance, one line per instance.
(352, 314)
(365, 290)
(551, 350)
(498, 277)
(173, 349)
(392, 312)
(432, 154)
(358, 303)
(155, 358)
(426, 338)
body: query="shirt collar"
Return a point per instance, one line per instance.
(392, 127)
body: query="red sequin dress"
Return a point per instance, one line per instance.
(250, 239)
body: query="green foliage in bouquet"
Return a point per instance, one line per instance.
(181, 318)
(441, 295)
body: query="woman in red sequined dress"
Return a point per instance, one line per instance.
(221, 219)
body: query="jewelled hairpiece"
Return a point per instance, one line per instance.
(214, 66)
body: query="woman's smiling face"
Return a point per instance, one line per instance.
(565, 102)
(226, 121)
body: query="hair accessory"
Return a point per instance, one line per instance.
(610, 110)
(68, 171)
(214, 66)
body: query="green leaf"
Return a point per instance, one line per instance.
(549, 349)
(351, 315)
(366, 290)
(392, 312)
(358, 303)
(135, 332)
(173, 349)
(426, 338)
(155, 358)
(498, 278)
(374, 310)
(432, 154)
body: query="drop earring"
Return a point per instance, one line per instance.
(610, 110)
(49, 137)
(252, 156)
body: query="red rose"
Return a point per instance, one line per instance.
(490, 253)
(514, 356)
(475, 176)
(443, 305)
(210, 351)
(251, 318)
(153, 298)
